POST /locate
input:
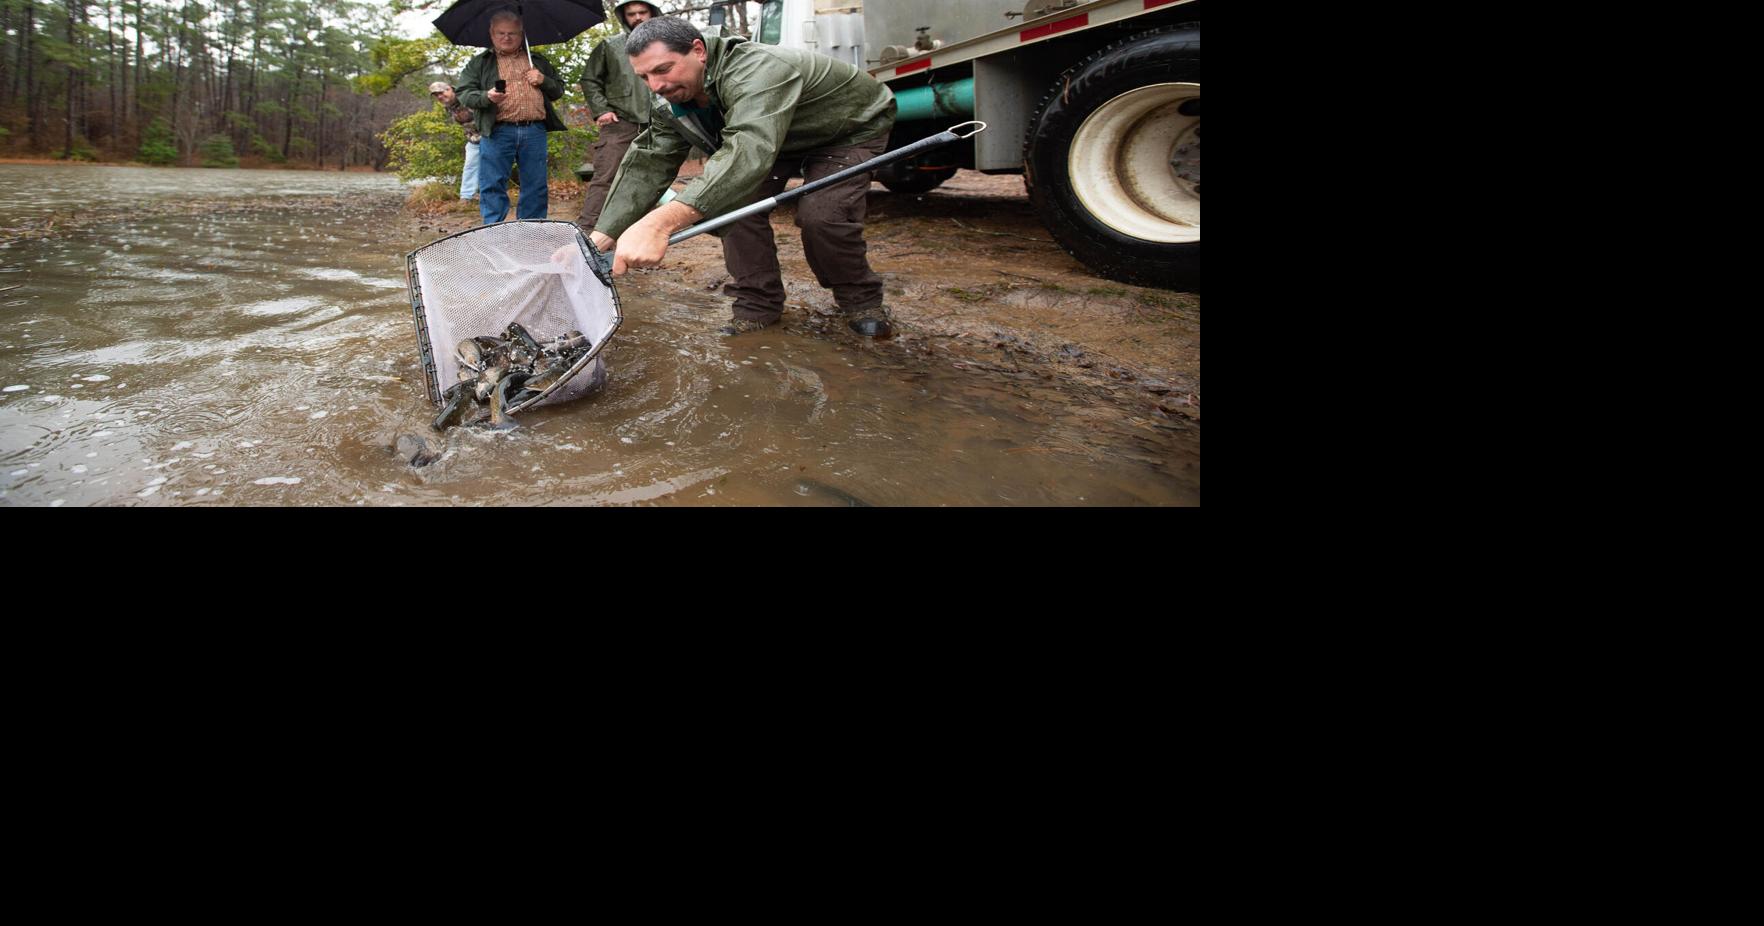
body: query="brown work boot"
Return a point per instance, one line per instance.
(871, 322)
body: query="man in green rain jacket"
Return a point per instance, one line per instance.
(763, 113)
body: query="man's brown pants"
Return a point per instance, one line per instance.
(606, 154)
(832, 223)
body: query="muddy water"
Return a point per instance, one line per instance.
(165, 343)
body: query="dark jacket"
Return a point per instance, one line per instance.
(480, 78)
(609, 84)
(774, 103)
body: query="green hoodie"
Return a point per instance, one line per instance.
(775, 102)
(609, 84)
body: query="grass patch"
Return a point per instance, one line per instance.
(433, 199)
(968, 295)
(430, 194)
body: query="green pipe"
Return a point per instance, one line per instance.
(935, 101)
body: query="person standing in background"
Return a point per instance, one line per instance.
(468, 178)
(621, 105)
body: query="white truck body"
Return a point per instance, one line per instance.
(1118, 168)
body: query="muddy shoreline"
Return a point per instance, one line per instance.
(972, 280)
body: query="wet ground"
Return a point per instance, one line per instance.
(972, 274)
(175, 346)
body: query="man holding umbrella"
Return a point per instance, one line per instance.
(511, 89)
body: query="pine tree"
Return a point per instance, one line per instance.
(158, 146)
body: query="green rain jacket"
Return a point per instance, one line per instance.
(609, 84)
(775, 102)
(480, 78)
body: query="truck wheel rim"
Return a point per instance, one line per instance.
(1135, 163)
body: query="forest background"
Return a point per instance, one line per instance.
(298, 84)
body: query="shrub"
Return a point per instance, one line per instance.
(261, 146)
(429, 145)
(424, 145)
(158, 146)
(82, 150)
(565, 151)
(217, 151)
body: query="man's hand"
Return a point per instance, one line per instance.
(496, 96)
(607, 118)
(533, 77)
(644, 244)
(602, 243)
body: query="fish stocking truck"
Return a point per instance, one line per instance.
(1096, 104)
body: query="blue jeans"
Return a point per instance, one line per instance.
(468, 179)
(502, 149)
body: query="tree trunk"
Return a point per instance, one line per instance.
(227, 85)
(318, 150)
(113, 72)
(256, 48)
(211, 93)
(28, 55)
(135, 98)
(177, 66)
(82, 55)
(6, 73)
(68, 134)
(288, 108)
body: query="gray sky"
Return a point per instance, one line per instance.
(416, 25)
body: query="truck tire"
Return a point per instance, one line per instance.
(1112, 159)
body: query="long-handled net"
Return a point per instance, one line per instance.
(542, 275)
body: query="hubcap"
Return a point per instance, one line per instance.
(1135, 163)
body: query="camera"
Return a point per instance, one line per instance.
(502, 86)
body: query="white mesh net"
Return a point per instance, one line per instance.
(534, 272)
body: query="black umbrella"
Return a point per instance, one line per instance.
(546, 22)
